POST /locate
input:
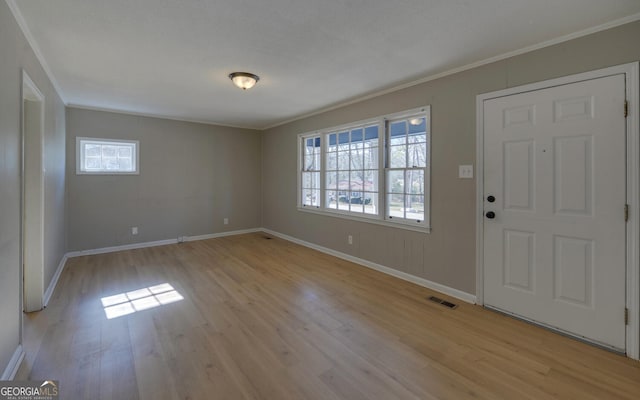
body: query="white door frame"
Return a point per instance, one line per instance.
(32, 275)
(633, 186)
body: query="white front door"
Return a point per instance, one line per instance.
(554, 201)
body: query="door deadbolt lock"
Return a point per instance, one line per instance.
(491, 199)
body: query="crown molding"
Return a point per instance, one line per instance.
(500, 57)
(34, 46)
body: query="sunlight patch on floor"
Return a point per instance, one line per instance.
(137, 300)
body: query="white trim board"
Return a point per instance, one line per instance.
(54, 281)
(15, 10)
(458, 294)
(14, 364)
(631, 72)
(221, 234)
(156, 116)
(452, 71)
(164, 242)
(32, 147)
(113, 249)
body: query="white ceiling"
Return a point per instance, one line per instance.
(172, 57)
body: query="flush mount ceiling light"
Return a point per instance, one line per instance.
(244, 80)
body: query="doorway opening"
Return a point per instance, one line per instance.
(32, 224)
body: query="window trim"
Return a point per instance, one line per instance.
(135, 156)
(382, 218)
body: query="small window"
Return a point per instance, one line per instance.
(106, 156)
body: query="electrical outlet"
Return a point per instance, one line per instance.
(134, 230)
(181, 239)
(350, 239)
(226, 221)
(465, 171)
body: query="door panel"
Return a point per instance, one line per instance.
(573, 268)
(519, 167)
(518, 259)
(555, 251)
(573, 175)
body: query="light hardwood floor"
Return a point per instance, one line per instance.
(268, 319)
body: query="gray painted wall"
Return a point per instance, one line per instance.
(447, 254)
(194, 175)
(191, 177)
(16, 55)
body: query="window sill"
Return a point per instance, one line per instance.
(370, 220)
(109, 173)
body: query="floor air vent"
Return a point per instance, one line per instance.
(443, 302)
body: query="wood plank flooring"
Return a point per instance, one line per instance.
(268, 319)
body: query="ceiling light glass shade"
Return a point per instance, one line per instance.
(244, 80)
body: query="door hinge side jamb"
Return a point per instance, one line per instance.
(626, 108)
(626, 212)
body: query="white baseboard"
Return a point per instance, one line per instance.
(458, 294)
(114, 249)
(54, 281)
(164, 242)
(14, 364)
(221, 234)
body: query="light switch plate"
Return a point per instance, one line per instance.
(465, 171)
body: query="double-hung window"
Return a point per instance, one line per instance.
(375, 170)
(351, 172)
(406, 172)
(311, 171)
